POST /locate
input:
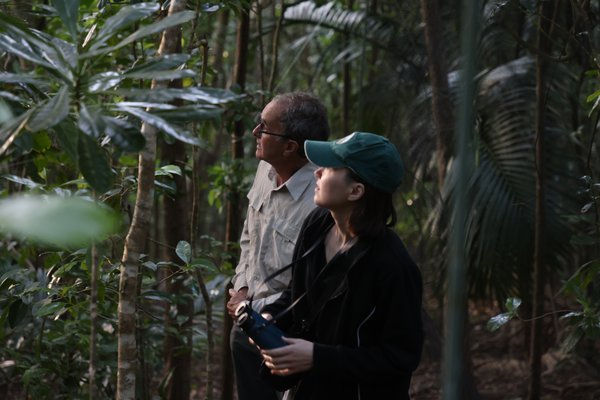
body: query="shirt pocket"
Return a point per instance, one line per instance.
(284, 240)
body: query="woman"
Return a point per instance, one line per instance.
(354, 326)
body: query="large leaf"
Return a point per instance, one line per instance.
(52, 112)
(7, 77)
(165, 62)
(168, 22)
(55, 220)
(104, 81)
(125, 17)
(68, 139)
(192, 112)
(160, 123)
(124, 134)
(68, 11)
(90, 122)
(193, 94)
(93, 164)
(162, 75)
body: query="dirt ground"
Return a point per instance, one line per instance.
(500, 365)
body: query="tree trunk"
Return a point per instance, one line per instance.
(541, 92)
(234, 209)
(219, 38)
(441, 103)
(178, 347)
(136, 239)
(93, 321)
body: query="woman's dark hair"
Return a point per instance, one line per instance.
(373, 212)
(304, 118)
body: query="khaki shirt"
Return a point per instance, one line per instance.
(275, 216)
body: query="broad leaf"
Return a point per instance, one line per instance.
(23, 181)
(55, 220)
(7, 77)
(93, 164)
(51, 113)
(498, 321)
(193, 94)
(165, 62)
(162, 75)
(104, 81)
(68, 11)
(184, 251)
(90, 122)
(68, 139)
(125, 17)
(168, 170)
(168, 22)
(194, 112)
(123, 134)
(160, 123)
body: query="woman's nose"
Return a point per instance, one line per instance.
(318, 173)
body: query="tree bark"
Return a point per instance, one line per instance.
(178, 347)
(234, 209)
(135, 240)
(541, 91)
(441, 103)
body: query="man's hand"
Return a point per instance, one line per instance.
(236, 299)
(296, 357)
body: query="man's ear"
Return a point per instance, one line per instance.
(291, 147)
(357, 191)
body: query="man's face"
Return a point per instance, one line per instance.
(270, 147)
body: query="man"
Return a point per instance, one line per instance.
(279, 200)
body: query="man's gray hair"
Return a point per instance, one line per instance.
(304, 118)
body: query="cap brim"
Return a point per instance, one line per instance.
(321, 154)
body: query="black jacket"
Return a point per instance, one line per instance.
(363, 313)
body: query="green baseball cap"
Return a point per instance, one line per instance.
(372, 157)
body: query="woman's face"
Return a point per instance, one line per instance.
(334, 188)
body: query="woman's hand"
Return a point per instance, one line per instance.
(296, 357)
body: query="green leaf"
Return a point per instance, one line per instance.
(512, 304)
(68, 139)
(205, 264)
(17, 312)
(68, 11)
(498, 321)
(49, 309)
(51, 113)
(90, 122)
(184, 251)
(23, 181)
(162, 75)
(168, 170)
(165, 62)
(160, 123)
(93, 164)
(7, 77)
(104, 81)
(193, 94)
(159, 26)
(123, 134)
(192, 112)
(57, 221)
(125, 17)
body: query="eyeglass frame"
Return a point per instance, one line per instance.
(260, 132)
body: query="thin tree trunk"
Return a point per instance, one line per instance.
(275, 47)
(178, 347)
(441, 103)
(544, 47)
(347, 83)
(234, 212)
(93, 321)
(210, 330)
(219, 38)
(135, 241)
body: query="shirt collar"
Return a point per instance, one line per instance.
(297, 182)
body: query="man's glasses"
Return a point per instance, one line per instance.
(261, 131)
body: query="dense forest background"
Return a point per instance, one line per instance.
(126, 153)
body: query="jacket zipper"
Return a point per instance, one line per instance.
(358, 337)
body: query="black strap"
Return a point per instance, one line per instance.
(342, 273)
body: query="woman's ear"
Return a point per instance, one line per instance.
(357, 190)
